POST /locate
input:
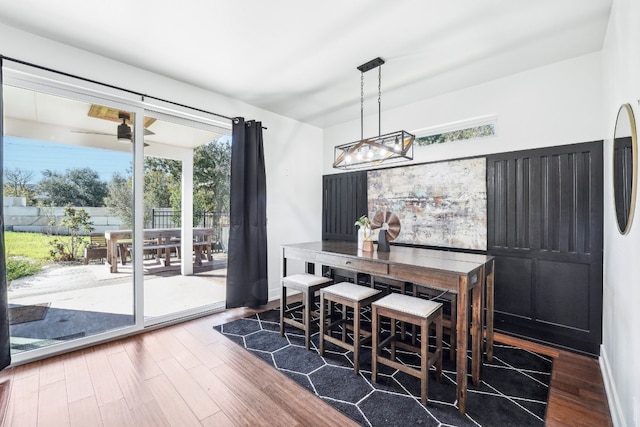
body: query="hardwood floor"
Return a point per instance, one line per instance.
(576, 395)
(190, 375)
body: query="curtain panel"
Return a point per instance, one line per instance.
(247, 280)
(5, 345)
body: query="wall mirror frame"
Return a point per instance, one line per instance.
(625, 167)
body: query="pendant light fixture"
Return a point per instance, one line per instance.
(387, 148)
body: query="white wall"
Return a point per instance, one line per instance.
(568, 102)
(291, 148)
(621, 337)
(552, 105)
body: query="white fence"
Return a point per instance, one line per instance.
(20, 217)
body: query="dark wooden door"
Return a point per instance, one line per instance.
(344, 200)
(545, 230)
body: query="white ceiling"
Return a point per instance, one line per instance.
(298, 58)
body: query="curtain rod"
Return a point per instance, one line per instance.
(141, 95)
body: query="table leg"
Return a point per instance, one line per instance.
(167, 253)
(198, 253)
(284, 265)
(159, 250)
(113, 255)
(462, 326)
(310, 267)
(476, 326)
(283, 307)
(490, 307)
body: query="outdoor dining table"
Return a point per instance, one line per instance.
(159, 239)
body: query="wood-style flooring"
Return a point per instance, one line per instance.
(190, 375)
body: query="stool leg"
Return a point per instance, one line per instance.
(356, 337)
(424, 361)
(439, 346)
(307, 317)
(283, 307)
(323, 319)
(344, 322)
(452, 329)
(375, 331)
(393, 340)
(413, 327)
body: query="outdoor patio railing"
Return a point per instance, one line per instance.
(168, 218)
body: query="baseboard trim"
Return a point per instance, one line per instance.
(617, 416)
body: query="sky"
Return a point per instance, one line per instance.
(36, 156)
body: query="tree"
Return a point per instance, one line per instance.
(77, 187)
(162, 183)
(16, 184)
(162, 179)
(212, 169)
(120, 198)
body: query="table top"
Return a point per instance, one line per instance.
(156, 232)
(445, 261)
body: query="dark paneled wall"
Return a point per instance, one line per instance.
(545, 229)
(344, 200)
(544, 213)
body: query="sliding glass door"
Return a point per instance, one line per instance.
(116, 213)
(62, 163)
(186, 205)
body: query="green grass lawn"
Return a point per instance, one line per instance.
(26, 253)
(29, 245)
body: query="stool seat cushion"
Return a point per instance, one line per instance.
(305, 280)
(350, 291)
(408, 304)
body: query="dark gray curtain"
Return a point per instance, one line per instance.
(5, 348)
(247, 284)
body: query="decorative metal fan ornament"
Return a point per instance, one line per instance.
(389, 225)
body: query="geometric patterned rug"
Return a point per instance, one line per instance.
(513, 391)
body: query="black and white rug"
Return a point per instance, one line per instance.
(513, 390)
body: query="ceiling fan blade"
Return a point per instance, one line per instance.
(147, 132)
(93, 133)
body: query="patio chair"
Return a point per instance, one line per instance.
(97, 248)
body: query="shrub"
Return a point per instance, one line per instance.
(69, 248)
(17, 268)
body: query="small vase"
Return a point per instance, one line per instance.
(367, 246)
(360, 238)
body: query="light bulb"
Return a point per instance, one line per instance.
(396, 146)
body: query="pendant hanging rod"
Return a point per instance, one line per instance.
(374, 63)
(379, 100)
(141, 95)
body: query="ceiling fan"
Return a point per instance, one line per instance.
(123, 133)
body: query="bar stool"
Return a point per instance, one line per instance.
(308, 285)
(415, 311)
(448, 318)
(348, 295)
(387, 286)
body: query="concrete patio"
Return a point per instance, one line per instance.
(88, 299)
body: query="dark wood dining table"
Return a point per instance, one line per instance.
(469, 276)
